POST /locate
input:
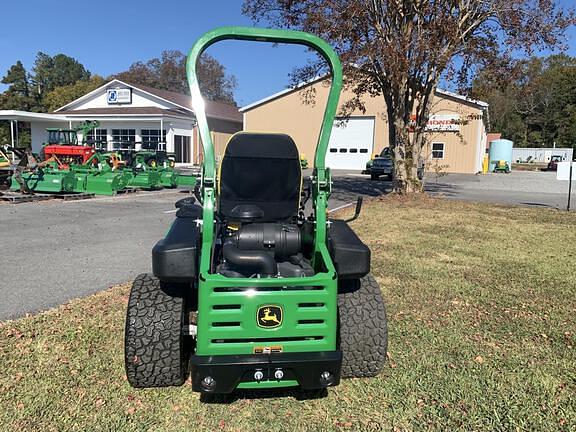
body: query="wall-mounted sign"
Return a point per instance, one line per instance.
(119, 96)
(444, 122)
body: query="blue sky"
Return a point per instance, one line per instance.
(108, 36)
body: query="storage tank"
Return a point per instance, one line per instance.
(500, 149)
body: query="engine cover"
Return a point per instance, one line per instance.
(281, 239)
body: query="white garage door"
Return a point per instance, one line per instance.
(351, 144)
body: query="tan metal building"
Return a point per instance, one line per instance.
(456, 141)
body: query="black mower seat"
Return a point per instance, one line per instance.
(263, 170)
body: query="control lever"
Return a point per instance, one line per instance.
(357, 211)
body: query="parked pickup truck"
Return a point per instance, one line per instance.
(383, 165)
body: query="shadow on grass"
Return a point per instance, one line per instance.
(298, 394)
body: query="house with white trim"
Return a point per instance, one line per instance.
(134, 116)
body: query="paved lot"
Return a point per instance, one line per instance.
(517, 188)
(526, 188)
(54, 251)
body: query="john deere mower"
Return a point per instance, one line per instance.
(247, 291)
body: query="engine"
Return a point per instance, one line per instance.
(263, 250)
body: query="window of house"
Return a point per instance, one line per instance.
(126, 137)
(437, 150)
(153, 139)
(98, 137)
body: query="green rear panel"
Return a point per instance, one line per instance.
(227, 314)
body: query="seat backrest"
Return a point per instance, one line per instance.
(261, 169)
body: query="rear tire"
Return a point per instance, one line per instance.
(373, 177)
(155, 349)
(363, 327)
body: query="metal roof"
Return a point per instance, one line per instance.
(316, 79)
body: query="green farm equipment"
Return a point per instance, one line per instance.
(501, 166)
(247, 291)
(185, 180)
(153, 169)
(146, 163)
(48, 179)
(145, 179)
(102, 174)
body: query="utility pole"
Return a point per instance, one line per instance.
(570, 185)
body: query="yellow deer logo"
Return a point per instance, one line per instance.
(269, 316)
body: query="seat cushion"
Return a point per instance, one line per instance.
(262, 170)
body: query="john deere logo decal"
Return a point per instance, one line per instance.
(269, 316)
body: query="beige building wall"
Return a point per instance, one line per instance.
(289, 114)
(221, 131)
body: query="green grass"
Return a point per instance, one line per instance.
(482, 322)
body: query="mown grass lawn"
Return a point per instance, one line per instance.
(482, 321)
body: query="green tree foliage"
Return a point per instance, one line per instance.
(17, 96)
(62, 95)
(53, 79)
(53, 72)
(169, 73)
(535, 105)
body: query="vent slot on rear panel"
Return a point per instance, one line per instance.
(277, 339)
(268, 289)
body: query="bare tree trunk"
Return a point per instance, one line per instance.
(406, 148)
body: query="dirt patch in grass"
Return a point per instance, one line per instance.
(482, 337)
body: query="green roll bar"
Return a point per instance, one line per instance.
(262, 35)
(321, 177)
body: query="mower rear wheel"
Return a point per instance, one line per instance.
(157, 354)
(363, 328)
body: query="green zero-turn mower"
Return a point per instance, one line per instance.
(247, 291)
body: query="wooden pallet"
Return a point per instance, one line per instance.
(17, 198)
(74, 196)
(126, 191)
